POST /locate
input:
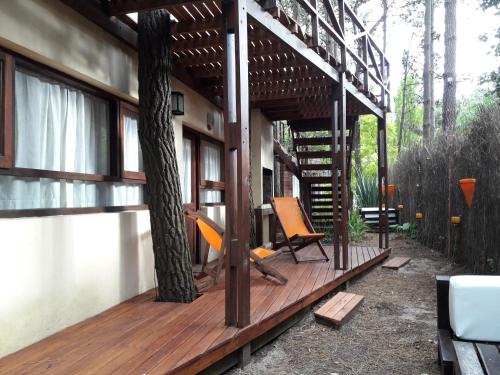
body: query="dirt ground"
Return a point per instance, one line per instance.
(393, 332)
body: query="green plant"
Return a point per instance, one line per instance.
(356, 226)
(366, 191)
(408, 228)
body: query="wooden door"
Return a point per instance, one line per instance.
(190, 191)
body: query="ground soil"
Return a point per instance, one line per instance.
(393, 332)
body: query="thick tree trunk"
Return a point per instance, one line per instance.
(450, 55)
(427, 127)
(156, 134)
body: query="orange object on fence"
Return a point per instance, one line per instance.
(468, 186)
(401, 206)
(392, 189)
(419, 215)
(456, 220)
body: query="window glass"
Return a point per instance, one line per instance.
(33, 193)
(211, 159)
(187, 171)
(132, 147)
(59, 128)
(210, 196)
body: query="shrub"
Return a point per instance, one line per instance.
(357, 227)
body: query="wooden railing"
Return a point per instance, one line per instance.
(335, 32)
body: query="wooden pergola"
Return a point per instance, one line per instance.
(244, 54)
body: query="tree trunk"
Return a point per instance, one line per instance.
(431, 73)
(385, 6)
(449, 76)
(427, 67)
(406, 62)
(156, 134)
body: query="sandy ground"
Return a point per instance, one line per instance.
(393, 332)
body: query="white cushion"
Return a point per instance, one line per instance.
(475, 307)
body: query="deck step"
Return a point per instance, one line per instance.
(396, 262)
(338, 308)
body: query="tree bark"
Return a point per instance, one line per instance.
(156, 134)
(406, 62)
(427, 130)
(450, 55)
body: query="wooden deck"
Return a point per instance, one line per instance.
(140, 336)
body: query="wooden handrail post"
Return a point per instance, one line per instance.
(237, 163)
(383, 206)
(335, 179)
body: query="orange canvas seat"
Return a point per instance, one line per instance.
(296, 227)
(213, 234)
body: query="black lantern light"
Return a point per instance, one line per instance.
(177, 103)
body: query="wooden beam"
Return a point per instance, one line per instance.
(114, 26)
(116, 7)
(287, 159)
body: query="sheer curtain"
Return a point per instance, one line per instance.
(186, 181)
(60, 128)
(132, 147)
(211, 167)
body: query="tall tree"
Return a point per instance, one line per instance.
(156, 134)
(406, 64)
(450, 56)
(493, 77)
(427, 76)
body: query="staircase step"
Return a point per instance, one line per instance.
(316, 167)
(314, 154)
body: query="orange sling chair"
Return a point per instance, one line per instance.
(296, 227)
(213, 234)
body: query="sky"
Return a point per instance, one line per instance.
(473, 57)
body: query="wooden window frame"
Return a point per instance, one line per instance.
(209, 184)
(10, 61)
(7, 104)
(132, 175)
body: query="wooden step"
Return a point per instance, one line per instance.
(396, 262)
(314, 154)
(316, 167)
(338, 308)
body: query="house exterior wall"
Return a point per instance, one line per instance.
(56, 271)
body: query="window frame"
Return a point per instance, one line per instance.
(132, 175)
(202, 184)
(10, 61)
(7, 104)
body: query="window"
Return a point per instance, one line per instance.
(65, 136)
(132, 164)
(212, 170)
(5, 110)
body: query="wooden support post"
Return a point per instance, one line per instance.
(335, 179)
(383, 206)
(237, 163)
(343, 54)
(244, 355)
(342, 125)
(339, 167)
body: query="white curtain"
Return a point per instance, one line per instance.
(186, 180)
(132, 147)
(211, 160)
(59, 128)
(295, 187)
(31, 193)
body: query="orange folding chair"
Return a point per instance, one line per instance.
(214, 236)
(296, 227)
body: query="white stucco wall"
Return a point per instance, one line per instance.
(56, 271)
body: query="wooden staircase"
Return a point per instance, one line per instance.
(313, 146)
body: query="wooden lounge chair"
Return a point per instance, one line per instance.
(296, 227)
(213, 234)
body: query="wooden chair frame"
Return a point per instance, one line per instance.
(213, 269)
(305, 240)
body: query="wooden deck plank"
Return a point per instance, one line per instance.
(396, 262)
(143, 336)
(339, 307)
